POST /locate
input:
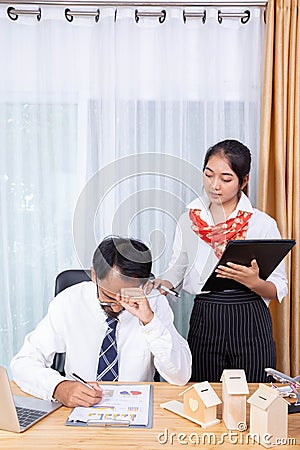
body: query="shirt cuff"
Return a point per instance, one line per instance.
(154, 328)
(281, 287)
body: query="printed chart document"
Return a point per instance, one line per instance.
(121, 405)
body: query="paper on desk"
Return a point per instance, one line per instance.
(119, 403)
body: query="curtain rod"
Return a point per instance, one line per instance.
(119, 3)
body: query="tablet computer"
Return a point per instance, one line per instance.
(267, 252)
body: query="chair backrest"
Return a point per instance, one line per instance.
(64, 280)
(70, 277)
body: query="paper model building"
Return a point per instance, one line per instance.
(268, 416)
(234, 391)
(200, 403)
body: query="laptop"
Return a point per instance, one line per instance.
(17, 413)
(267, 252)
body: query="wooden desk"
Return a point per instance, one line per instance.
(51, 433)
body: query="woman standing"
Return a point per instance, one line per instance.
(228, 329)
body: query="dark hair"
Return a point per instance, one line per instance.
(131, 257)
(237, 154)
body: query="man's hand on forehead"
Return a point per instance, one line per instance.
(135, 302)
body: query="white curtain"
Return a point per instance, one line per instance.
(104, 125)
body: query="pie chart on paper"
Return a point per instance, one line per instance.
(128, 394)
(135, 392)
(125, 393)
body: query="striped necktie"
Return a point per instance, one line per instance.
(108, 357)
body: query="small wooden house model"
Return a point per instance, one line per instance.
(268, 416)
(234, 391)
(200, 403)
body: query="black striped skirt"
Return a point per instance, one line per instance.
(231, 330)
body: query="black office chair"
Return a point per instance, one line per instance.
(64, 280)
(70, 277)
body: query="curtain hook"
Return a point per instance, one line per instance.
(245, 19)
(244, 16)
(14, 13)
(219, 17)
(11, 13)
(162, 18)
(202, 15)
(160, 14)
(68, 16)
(97, 16)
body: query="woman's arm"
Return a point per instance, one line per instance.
(249, 277)
(178, 264)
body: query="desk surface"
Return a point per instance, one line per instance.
(51, 433)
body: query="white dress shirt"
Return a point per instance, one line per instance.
(193, 259)
(76, 324)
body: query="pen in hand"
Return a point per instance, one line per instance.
(164, 288)
(78, 378)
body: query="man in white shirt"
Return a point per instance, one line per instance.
(76, 324)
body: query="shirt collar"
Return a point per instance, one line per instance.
(244, 204)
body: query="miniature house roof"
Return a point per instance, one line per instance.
(264, 396)
(235, 380)
(206, 393)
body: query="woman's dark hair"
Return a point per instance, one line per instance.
(237, 155)
(131, 257)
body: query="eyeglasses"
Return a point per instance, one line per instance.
(112, 303)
